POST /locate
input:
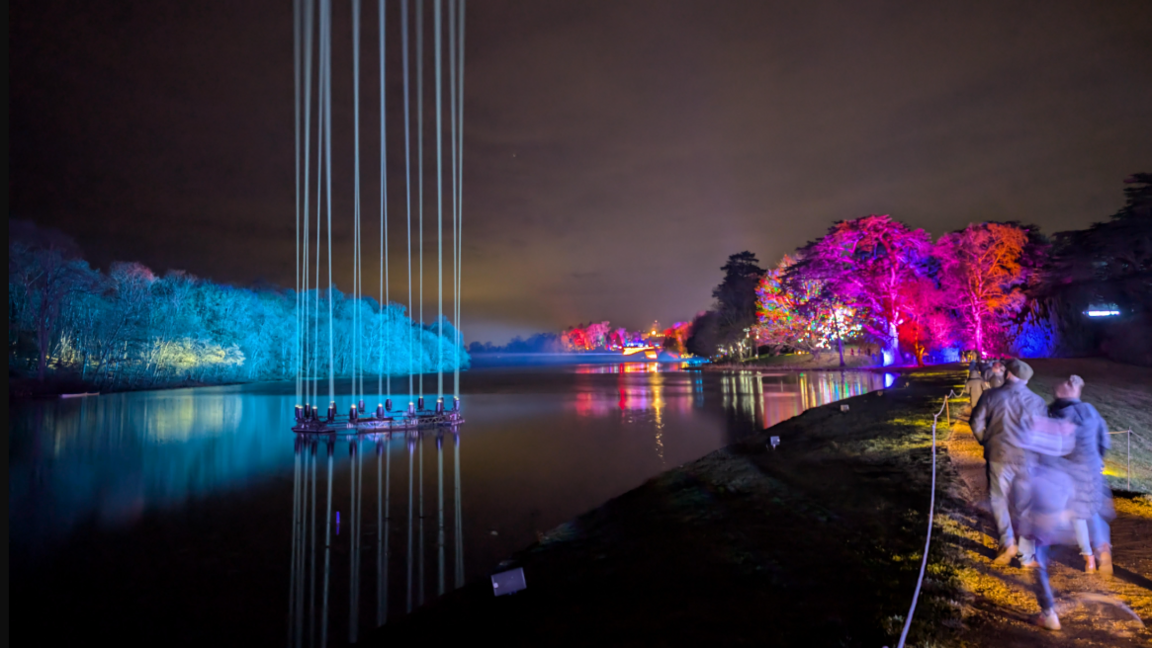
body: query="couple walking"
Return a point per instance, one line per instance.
(1045, 475)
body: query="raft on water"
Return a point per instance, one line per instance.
(308, 420)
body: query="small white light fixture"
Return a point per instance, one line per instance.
(1102, 310)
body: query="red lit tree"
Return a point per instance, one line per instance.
(676, 337)
(865, 263)
(925, 325)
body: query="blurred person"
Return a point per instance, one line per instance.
(1000, 422)
(1091, 504)
(994, 376)
(1046, 519)
(974, 384)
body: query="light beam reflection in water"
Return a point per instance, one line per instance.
(544, 444)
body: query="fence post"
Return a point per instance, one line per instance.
(947, 412)
(1128, 470)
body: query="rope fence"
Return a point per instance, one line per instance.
(945, 409)
(1143, 460)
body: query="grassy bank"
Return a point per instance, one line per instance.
(829, 359)
(815, 543)
(20, 388)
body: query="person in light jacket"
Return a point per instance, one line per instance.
(994, 376)
(1091, 502)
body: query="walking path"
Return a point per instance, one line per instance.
(1001, 598)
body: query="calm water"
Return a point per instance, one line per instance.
(193, 515)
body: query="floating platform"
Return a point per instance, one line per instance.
(310, 421)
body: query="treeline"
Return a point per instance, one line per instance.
(129, 328)
(537, 343)
(596, 336)
(993, 288)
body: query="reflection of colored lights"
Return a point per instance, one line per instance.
(1103, 313)
(762, 400)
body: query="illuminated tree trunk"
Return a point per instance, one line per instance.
(979, 338)
(839, 338)
(891, 345)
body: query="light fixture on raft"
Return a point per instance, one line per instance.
(449, 142)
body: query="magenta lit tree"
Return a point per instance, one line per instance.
(865, 263)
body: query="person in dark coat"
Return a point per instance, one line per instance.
(1000, 421)
(1091, 503)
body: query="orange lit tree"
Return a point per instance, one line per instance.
(984, 270)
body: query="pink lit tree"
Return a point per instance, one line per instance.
(618, 338)
(597, 333)
(865, 263)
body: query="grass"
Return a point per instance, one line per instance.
(1123, 395)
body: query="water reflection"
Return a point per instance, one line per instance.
(113, 457)
(191, 475)
(626, 367)
(768, 398)
(310, 626)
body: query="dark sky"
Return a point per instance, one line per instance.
(615, 152)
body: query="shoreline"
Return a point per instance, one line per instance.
(742, 545)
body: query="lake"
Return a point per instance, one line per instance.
(194, 515)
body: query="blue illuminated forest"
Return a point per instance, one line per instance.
(128, 327)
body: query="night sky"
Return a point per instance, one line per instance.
(615, 152)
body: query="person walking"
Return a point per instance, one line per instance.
(994, 376)
(975, 384)
(1091, 504)
(1000, 422)
(1046, 517)
(1045, 520)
